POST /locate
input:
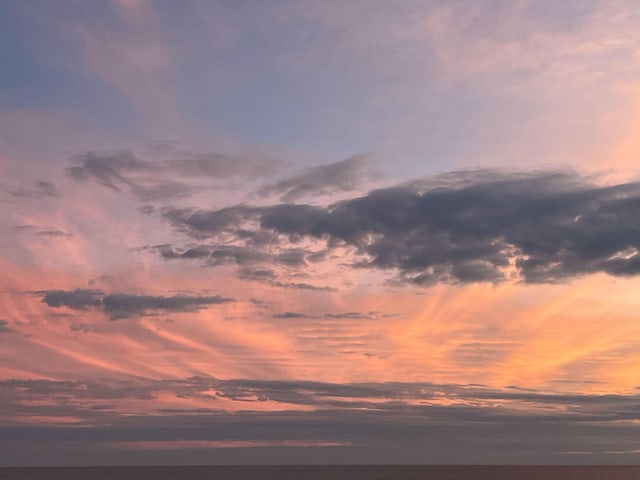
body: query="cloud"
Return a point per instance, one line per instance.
(19, 389)
(249, 254)
(352, 315)
(254, 263)
(4, 326)
(304, 286)
(179, 176)
(291, 315)
(78, 299)
(219, 165)
(124, 172)
(342, 176)
(437, 401)
(108, 169)
(42, 232)
(214, 255)
(463, 227)
(42, 189)
(256, 274)
(54, 233)
(329, 315)
(205, 223)
(240, 255)
(393, 421)
(124, 305)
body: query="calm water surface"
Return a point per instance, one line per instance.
(326, 473)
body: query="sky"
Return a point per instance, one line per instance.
(378, 231)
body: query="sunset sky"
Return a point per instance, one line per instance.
(355, 231)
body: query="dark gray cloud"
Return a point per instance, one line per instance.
(78, 299)
(254, 263)
(293, 257)
(4, 326)
(461, 227)
(242, 255)
(303, 286)
(124, 305)
(206, 223)
(169, 252)
(291, 315)
(256, 274)
(342, 176)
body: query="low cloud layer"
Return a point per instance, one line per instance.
(368, 422)
(434, 400)
(123, 305)
(463, 227)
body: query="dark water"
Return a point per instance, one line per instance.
(326, 473)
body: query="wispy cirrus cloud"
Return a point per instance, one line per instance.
(343, 176)
(42, 232)
(164, 178)
(42, 189)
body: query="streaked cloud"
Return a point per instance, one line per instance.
(342, 176)
(435, 418)
(124, 305)
(42, 189)
(149, 180)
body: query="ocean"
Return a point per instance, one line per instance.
(324, 472)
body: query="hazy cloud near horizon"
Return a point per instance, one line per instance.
(408, 422)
